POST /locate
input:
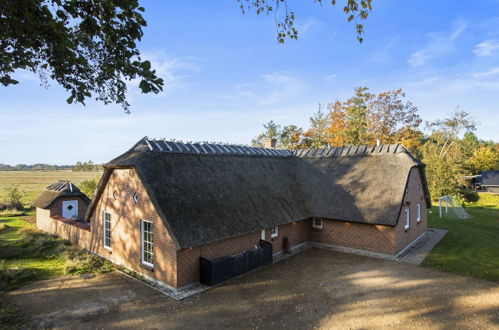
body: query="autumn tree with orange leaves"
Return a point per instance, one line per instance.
(367, 118)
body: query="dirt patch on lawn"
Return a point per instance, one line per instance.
(314, 289)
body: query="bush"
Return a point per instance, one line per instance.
(11, 212)
(42, 245)
(13, 196)
(469, 196)
(88, 187)
(79, 261)
(13, 277)
(3, 227)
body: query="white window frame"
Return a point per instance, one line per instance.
(106, 230)
(418, 213)
(136, 198)
(143, 242)
(274, 232)
(407, 219)
(315, 225)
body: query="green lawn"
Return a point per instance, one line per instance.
(16, 255)
(471, 247)
(28, 255)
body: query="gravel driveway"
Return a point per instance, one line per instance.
(314, 289)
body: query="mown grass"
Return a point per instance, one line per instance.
(34, 182)
(28, 255)
(471, 246)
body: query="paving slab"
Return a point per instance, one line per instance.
(420, 250)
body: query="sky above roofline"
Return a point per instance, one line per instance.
(226, 76)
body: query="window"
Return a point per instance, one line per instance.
(407, 219)
(136, 198)
(146, 228)
(107, 229)
(274, 232)
(418, 213)
(115, 194)
(317, 223)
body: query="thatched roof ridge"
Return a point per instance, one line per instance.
(205, 148)
(61, 188)
(206, 197)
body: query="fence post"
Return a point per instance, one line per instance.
(440, 207)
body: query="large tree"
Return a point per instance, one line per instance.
(366, 118)
(444, 154)
(316, 135)
(89, 47)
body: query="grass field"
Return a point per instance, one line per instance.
(34, 182)
(27, 255)
(471, 246)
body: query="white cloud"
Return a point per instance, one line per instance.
(464, 82)
(486, 48)
(271, 88)
(174, 70)
(439, 45)
(307, 26)
(330, 77)
(489, 73)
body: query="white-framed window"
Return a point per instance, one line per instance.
(106, 224)
(418, 213)
(317, 223)
(274, 232)
(146, 233)
(115, 194)
(136, 198)
(407, 218)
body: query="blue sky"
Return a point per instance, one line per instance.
(226, 76)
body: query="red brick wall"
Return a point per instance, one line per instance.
(126, 216)
(56, 207)
(297, 232)
(76, 235)
(188, 259)
(414, 195)
(355, 235)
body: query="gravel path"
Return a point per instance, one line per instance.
(314, 289)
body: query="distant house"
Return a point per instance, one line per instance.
(489, 181)
(178, 212)
(62, 203)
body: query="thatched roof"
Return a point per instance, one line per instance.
(205, 195)
(61, 188)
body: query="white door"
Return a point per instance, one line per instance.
(69, 209)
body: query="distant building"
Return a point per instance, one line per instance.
(490, 181)
(62, 204)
